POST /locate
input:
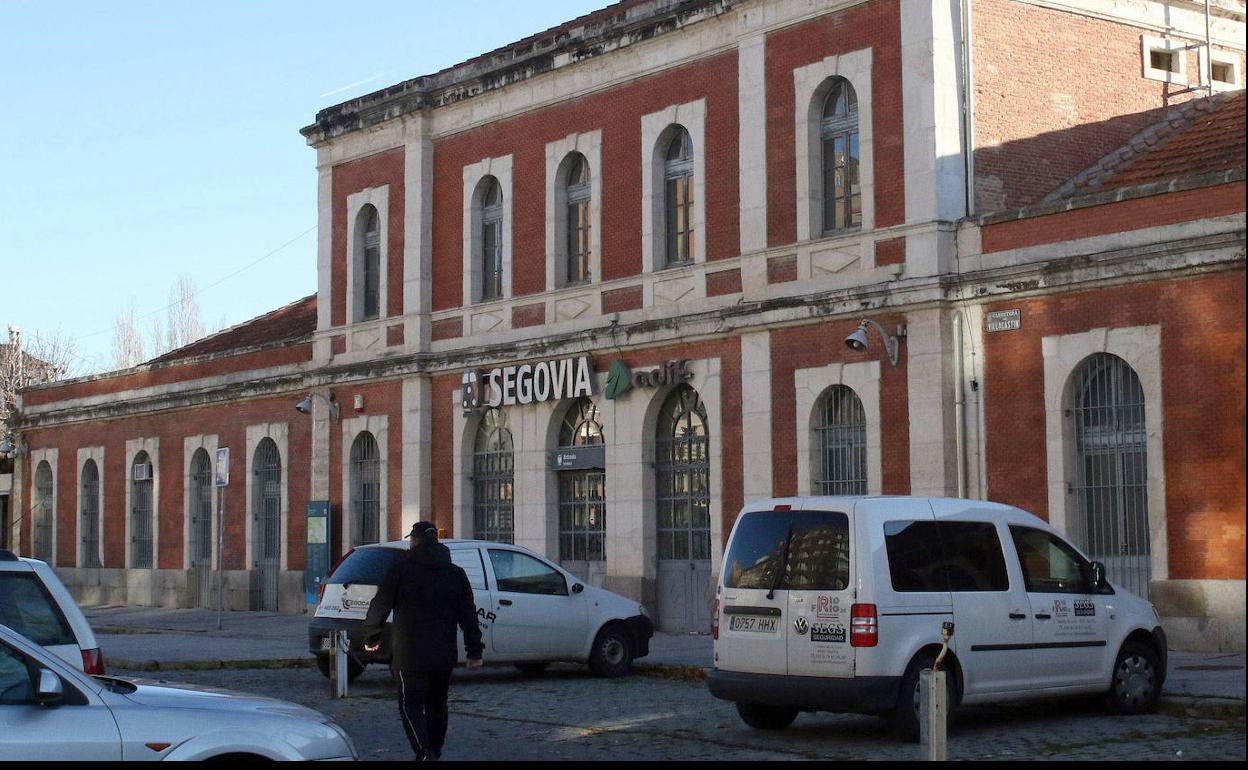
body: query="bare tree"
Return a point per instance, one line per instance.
(182, 324)
(127, 343)
(32, 360)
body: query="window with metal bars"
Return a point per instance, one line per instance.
(89, 501)
(841, 444)
(683, 475)
(678, 198)
(266, 503)
(201, 510)
(491, 201)
(838, 132)
(582, 493)
(369, 225)
(365, 485)
(493, 479)
(577, 197)
(1111, 448)
(141, 513)
(43, 512)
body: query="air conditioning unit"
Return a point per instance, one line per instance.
(143, 472)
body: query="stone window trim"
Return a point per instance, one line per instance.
(279, 432)
(190, 445)
(1176, 75)
(379, 426)
(473, 174)
(133, 447)
(38, 457)
(1140, 348)
(379, 198)
(810, 388)
(811, 85)
(656, 134)
(588, 144)
(1228, 59)
(95, 454)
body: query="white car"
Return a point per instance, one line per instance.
(531, 612)
(837, 604)
(35, 603)
(50, 710)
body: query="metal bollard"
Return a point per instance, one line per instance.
(934, 703)
(339, 647)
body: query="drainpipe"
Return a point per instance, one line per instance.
(959, 405)
(968, 108)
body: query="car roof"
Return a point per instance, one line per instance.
(452, 543)
(942, 506)
(11, 562)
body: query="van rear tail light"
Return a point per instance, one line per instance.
(93, 662)
(715, 620)
(864, 626)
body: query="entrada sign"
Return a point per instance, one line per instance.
(528, 383)
(621, 379)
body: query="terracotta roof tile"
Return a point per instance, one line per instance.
(293, 322)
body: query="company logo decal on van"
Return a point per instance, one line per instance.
(349, 605)
(826, 632)
(801, 626)
(828, 607)
(1084, 608)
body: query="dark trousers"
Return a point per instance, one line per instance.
(422, 707)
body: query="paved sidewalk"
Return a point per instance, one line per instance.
(140, 637)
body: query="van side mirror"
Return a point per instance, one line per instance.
(50, 691)
(577, 588)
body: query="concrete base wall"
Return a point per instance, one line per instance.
(169, 588)
(1201, 615)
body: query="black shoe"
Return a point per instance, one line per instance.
(428, 755)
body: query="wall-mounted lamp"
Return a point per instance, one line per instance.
(305, 406)
(858, 340)
(10, 447)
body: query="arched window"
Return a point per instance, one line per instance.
(491, 202)
(576, 191)
(493, 479)
(43, 512)
(841, 444)
(678, 197)
(683, 469)
(368, 225)
(200, 500)
(838, 131)
(266, 526)
(89, 501)
(141, 512)
(365, 490)
(582, 492)
(1111, 447)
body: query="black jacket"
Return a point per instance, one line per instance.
(430, 596)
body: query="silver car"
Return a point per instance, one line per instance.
(51, 711)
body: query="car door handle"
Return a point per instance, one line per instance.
(505, 602)
(1018, 616)
(1043, 616)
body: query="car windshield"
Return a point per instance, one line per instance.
(28, 608)
(366, 565)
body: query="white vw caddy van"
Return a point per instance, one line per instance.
(836, 604)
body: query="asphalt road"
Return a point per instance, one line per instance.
(567, 714)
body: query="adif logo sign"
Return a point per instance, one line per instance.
(528, 383)
(621, 379)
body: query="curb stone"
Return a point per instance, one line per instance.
(207, 665)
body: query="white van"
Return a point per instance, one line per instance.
(35, 603)
(836, 604)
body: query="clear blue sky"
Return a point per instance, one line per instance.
(140, 141)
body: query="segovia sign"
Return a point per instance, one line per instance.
(528, 383)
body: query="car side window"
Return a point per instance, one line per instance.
(522, 574)
(28, 608)
(469, 560)
(14, 678)
(1050, 564)
(938, 556)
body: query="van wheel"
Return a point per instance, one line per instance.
(354, 667)
(535, 667)
(612, 654)
(762, 717)
(906, 714)
(1136, 682)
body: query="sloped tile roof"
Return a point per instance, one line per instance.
(294, 322)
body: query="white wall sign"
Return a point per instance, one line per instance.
(221, 468)
(1003, 320)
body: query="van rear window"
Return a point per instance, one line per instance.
(367, 566)
(942, 556)
(812, 548)
(28, 608)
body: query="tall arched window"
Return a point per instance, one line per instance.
(141, 512)
(89, 501)
(493, 479)
(200, 500)
(491, 202)
(683, 468)
(43, 512)
(838, 130)
(577, 197)
(841, 444)
(368, 225)
(266, 526)
(582, 492)
(1111, 446)
(678, 197)
(365, 490)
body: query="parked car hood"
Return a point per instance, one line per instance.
(162, 694)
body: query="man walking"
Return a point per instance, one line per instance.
(430, 596)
